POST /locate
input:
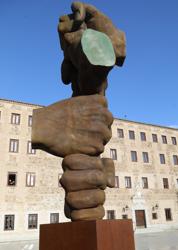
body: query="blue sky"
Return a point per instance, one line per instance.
(145, 89)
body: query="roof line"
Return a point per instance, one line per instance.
(21, 102)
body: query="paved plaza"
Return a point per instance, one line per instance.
(145, 241)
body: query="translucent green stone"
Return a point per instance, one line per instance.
(98, 48)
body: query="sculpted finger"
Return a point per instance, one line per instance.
(86, 179)
(86, 198)
(65, 24)
(90, 10)
(78, 10)
(88, 214)
(109, 169)
(81, 162)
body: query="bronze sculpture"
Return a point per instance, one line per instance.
(78, 128)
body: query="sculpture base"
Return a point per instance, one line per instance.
(88, 235)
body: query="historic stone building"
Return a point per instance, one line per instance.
(146, 162)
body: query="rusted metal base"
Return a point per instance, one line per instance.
(88, 235)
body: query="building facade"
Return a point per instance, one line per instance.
(146, 181)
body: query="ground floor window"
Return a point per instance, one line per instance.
(32, 221)
(168, 214)
(154, 216)
(9, 222)
(111, 214)
(54, 218)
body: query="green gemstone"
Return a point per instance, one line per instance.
(98, 48)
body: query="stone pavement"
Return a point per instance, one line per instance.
(167, 240)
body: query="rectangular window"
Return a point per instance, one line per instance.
(145, 157)
(54, 218)
(134, 156)
(165, 183)
(32, 221)
(113, 154)
(30, 120)
(13, 145)
(155, 137)
(111, 214)
(164, 139)
(168, 214)
(116, 181)
(15, 118)
(131, 135)
(128, 183)
(125, 216)
(174, 141)
(162, 159)
(142, 136)
(145, 182)
(9, 222)
(30, 150)
(176, 183)
(154, 216)
(12, 179)
(30, 179)
(175, 159)
(120, 133)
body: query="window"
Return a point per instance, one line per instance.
(131, 135)
(54, 218)
(113, 154)
(11, 179)
(30, 179)
(145, 157)
(142, 136)
(116, 181)
(162, 159)
(9, 222)
(155, 137)
(168, 214)
(174, 141)
(125, 216)
(128, 183)
(145, 182)
(175, 159)
(14, 145)
(165, 183)
(30, 120)
(134, 156)
(176, 183)
(120, 133)
(164, 139)
(111, 214)
(15, 118)
(154, 216)
(30, 150)
(32, 221)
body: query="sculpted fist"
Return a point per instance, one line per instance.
(84, 181)
(77, 125)
(88, 77)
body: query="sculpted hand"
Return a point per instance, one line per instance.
(77, 125)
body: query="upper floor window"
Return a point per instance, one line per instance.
(30, 179)
(14, 145)
(120, 133)
(54, 218)
(165, 183)
(175, 159)
(12, 179)
(164, 139)
(142, 136)
(111, 214)
(30, 150)
(116, 181)
(134, 156)
(145, 182)
(155, 137)
(128, 183)
(32, 221)
(131, 135)
(162, 159)
(15, 118)
(30, 120)
(113, 154)
(9, 222)
(145, 157)
(174, 140)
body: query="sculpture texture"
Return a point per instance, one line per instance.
(78, 128)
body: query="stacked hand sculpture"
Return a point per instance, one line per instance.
(78, 128)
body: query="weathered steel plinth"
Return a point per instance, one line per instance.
(88, 235)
